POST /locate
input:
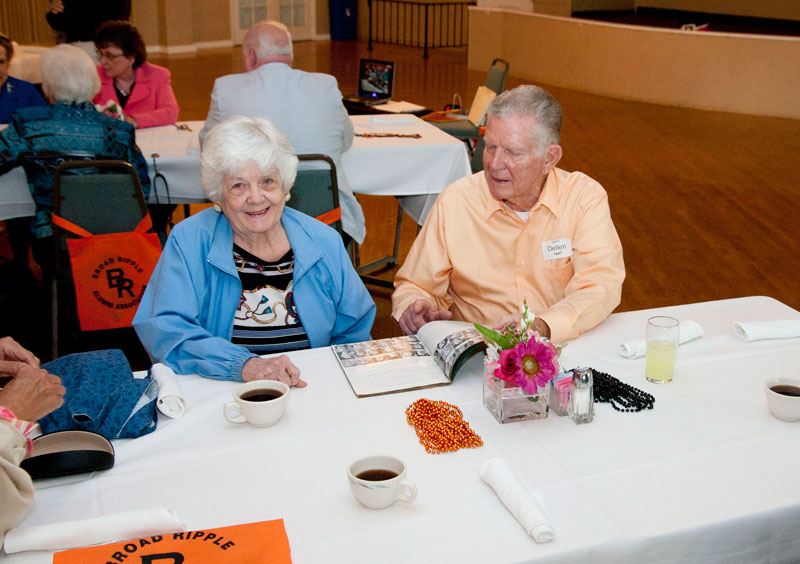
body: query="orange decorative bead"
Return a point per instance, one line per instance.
(440, 426)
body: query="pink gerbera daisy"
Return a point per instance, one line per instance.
(530, 365)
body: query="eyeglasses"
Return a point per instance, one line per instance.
(107, 55)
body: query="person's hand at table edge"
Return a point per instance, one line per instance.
(279, 368)
(32, 394)
(539, 324)
(14, 357)
(418, 314)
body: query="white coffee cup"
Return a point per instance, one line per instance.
(781, 398)
(250, 406)
(379, 481)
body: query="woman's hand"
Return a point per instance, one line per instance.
(14, 357)
(279, 368)
(33, 393)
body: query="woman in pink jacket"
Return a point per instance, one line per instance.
(141, 90)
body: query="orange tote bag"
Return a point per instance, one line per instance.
(110, 272)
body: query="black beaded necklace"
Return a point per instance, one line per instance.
(621, 396)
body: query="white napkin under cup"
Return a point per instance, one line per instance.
(689, 331)
(170, 398)
(757, 330)
(97, 530)
(516, 498)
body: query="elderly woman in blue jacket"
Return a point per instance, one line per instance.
(250, 276)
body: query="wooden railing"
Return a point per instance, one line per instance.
(419, 23)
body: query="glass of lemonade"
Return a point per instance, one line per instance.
(663, 334)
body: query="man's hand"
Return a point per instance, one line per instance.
(56, 6)
(418, 314)
(279, 368)
(14, 357)
(539, 324)
(33, 393)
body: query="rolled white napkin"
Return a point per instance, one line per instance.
(516, 498)
(689, 331)
(778, 329)
(97, 530)
(170, 398)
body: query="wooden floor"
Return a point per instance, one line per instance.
(706, 203)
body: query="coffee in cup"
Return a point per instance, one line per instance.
(379, 481)
(260, 403)
(783, 398)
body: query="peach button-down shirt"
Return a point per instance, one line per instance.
(478, 259)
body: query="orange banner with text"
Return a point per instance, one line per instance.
(253, 543)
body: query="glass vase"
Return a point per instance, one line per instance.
(514, 403)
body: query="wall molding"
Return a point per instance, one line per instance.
(190, 48)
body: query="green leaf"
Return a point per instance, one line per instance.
(502, 341)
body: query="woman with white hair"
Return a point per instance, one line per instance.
(69, 123)
(250, 276)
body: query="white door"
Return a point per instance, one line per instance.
(297, 15)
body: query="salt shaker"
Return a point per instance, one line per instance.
(581, 399)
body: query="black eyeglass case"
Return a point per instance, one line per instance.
(64, 453)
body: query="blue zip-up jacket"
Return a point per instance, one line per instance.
(185, 319)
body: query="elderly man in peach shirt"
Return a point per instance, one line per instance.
(519, 230)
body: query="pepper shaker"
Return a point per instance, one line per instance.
(581, 400)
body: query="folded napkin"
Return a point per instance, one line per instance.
(516, 498)
(689, 331)
(398, 119)
(98, 530)
(778, 329)
(170, 398)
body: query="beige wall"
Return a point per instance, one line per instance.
(729, 72)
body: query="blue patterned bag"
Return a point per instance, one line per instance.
(102, 396)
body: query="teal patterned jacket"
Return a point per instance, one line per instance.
(66, 127)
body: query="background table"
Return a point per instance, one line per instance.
(413, 170)
(707, 476)
(25, 64)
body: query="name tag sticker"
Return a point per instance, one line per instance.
(557, 248)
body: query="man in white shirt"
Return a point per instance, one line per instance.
(306, 106)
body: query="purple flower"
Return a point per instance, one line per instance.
(530, 365)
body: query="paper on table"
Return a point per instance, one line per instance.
(170, 398)
(516, 498)
(689, 331)
(392, 120)
(98, 530)
(399, 107)
(778, 329)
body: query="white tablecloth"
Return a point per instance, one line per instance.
(25, 64)
(707, 476)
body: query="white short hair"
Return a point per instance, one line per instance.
(530, 100)
(268, 39)
(69, 74)
(238, 140)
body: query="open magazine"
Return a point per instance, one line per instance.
(430, 358)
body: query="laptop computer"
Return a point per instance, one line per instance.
(375, 83)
